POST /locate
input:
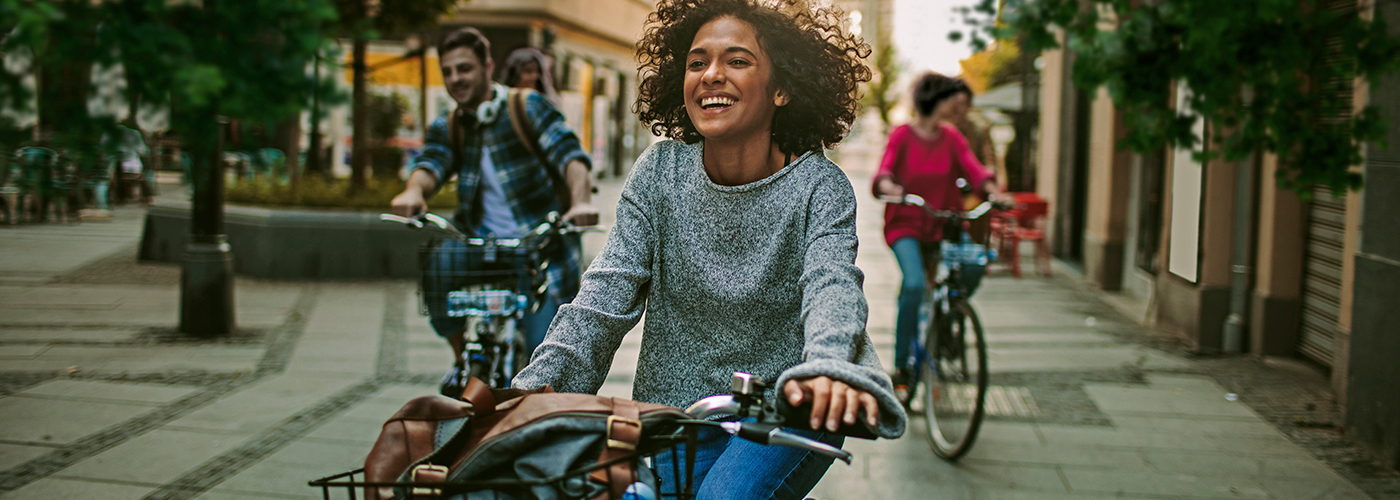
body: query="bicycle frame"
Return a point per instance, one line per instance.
(942, 291)
(945, 365)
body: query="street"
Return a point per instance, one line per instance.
(100, 398)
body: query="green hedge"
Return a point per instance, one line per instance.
(320, 192)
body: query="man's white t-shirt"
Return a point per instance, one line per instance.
(497, 217)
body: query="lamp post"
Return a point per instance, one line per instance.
(206, 279)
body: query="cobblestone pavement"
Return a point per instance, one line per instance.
(100, 398)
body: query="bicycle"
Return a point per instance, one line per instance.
(495, 282)
(744, 401)
(954, 379)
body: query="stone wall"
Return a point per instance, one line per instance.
(294, 244)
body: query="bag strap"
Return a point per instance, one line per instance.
(531, 139)
(454, 135)
(479, 395)
(623, 432)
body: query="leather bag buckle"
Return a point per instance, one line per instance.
(439, 471)
(619, 444)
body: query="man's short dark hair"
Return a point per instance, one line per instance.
(468, 37)
(933, 88)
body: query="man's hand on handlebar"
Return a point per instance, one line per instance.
(832, 401)
(582, 214)
(409, 203)
(413, 200)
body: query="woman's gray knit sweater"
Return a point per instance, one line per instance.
(759, 278)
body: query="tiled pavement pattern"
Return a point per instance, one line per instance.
(99, 399)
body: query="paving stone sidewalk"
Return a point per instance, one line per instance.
(100, 398)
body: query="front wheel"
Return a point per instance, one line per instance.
(955, 381)
(516, 356)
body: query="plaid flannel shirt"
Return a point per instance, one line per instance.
(528, 188)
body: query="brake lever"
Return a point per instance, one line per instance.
(771, 434)
(443, 224)
(409, 221)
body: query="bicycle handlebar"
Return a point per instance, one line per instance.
(746, 400)
(762, 433)
(552, 224)
(913, 199)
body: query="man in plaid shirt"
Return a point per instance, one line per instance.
(502, 188)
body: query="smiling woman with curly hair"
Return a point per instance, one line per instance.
(817, 65)
(737, 239)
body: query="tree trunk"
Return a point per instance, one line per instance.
(359, 154)
(288, 139)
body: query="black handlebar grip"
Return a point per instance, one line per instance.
(800, 417)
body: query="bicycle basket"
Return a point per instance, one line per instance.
(971, 261)
(522, 478)
(459, 278)
(485, 303)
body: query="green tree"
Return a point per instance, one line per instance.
(386, 114)
(57, 42)
(1264, 73)
(243, 58)
(360, 21)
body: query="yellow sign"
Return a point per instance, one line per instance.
(404, 72)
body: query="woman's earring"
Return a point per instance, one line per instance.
(780, 98)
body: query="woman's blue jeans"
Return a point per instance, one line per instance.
(728, 467)
(910, 254)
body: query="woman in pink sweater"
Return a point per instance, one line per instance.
(925, 158)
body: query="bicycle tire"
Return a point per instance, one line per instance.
(954, 405)
(479, 371)
(516, 355)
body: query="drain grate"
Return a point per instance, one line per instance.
(1004, 401)
(1001, 401)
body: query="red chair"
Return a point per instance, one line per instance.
(1025, 221)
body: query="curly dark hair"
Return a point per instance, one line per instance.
(818, 64)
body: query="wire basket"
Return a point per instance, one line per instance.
(345, 486)
(460, 278)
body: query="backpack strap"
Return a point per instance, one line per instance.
(623, 432)
(529, 137)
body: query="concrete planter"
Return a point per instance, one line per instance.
(293, 243)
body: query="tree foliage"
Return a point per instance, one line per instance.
(1265, 74)
(241, 58)
(994, 66)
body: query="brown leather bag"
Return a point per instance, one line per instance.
(493, 433)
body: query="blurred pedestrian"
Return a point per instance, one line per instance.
(503, 189)
(926, 158)
(527, 67)
(977, 131)
(737, 239)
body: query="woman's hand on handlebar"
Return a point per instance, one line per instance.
(888, 187)
(582, 214)
(832, 401)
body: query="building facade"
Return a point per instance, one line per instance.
(1176, 234)
(592, 48)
